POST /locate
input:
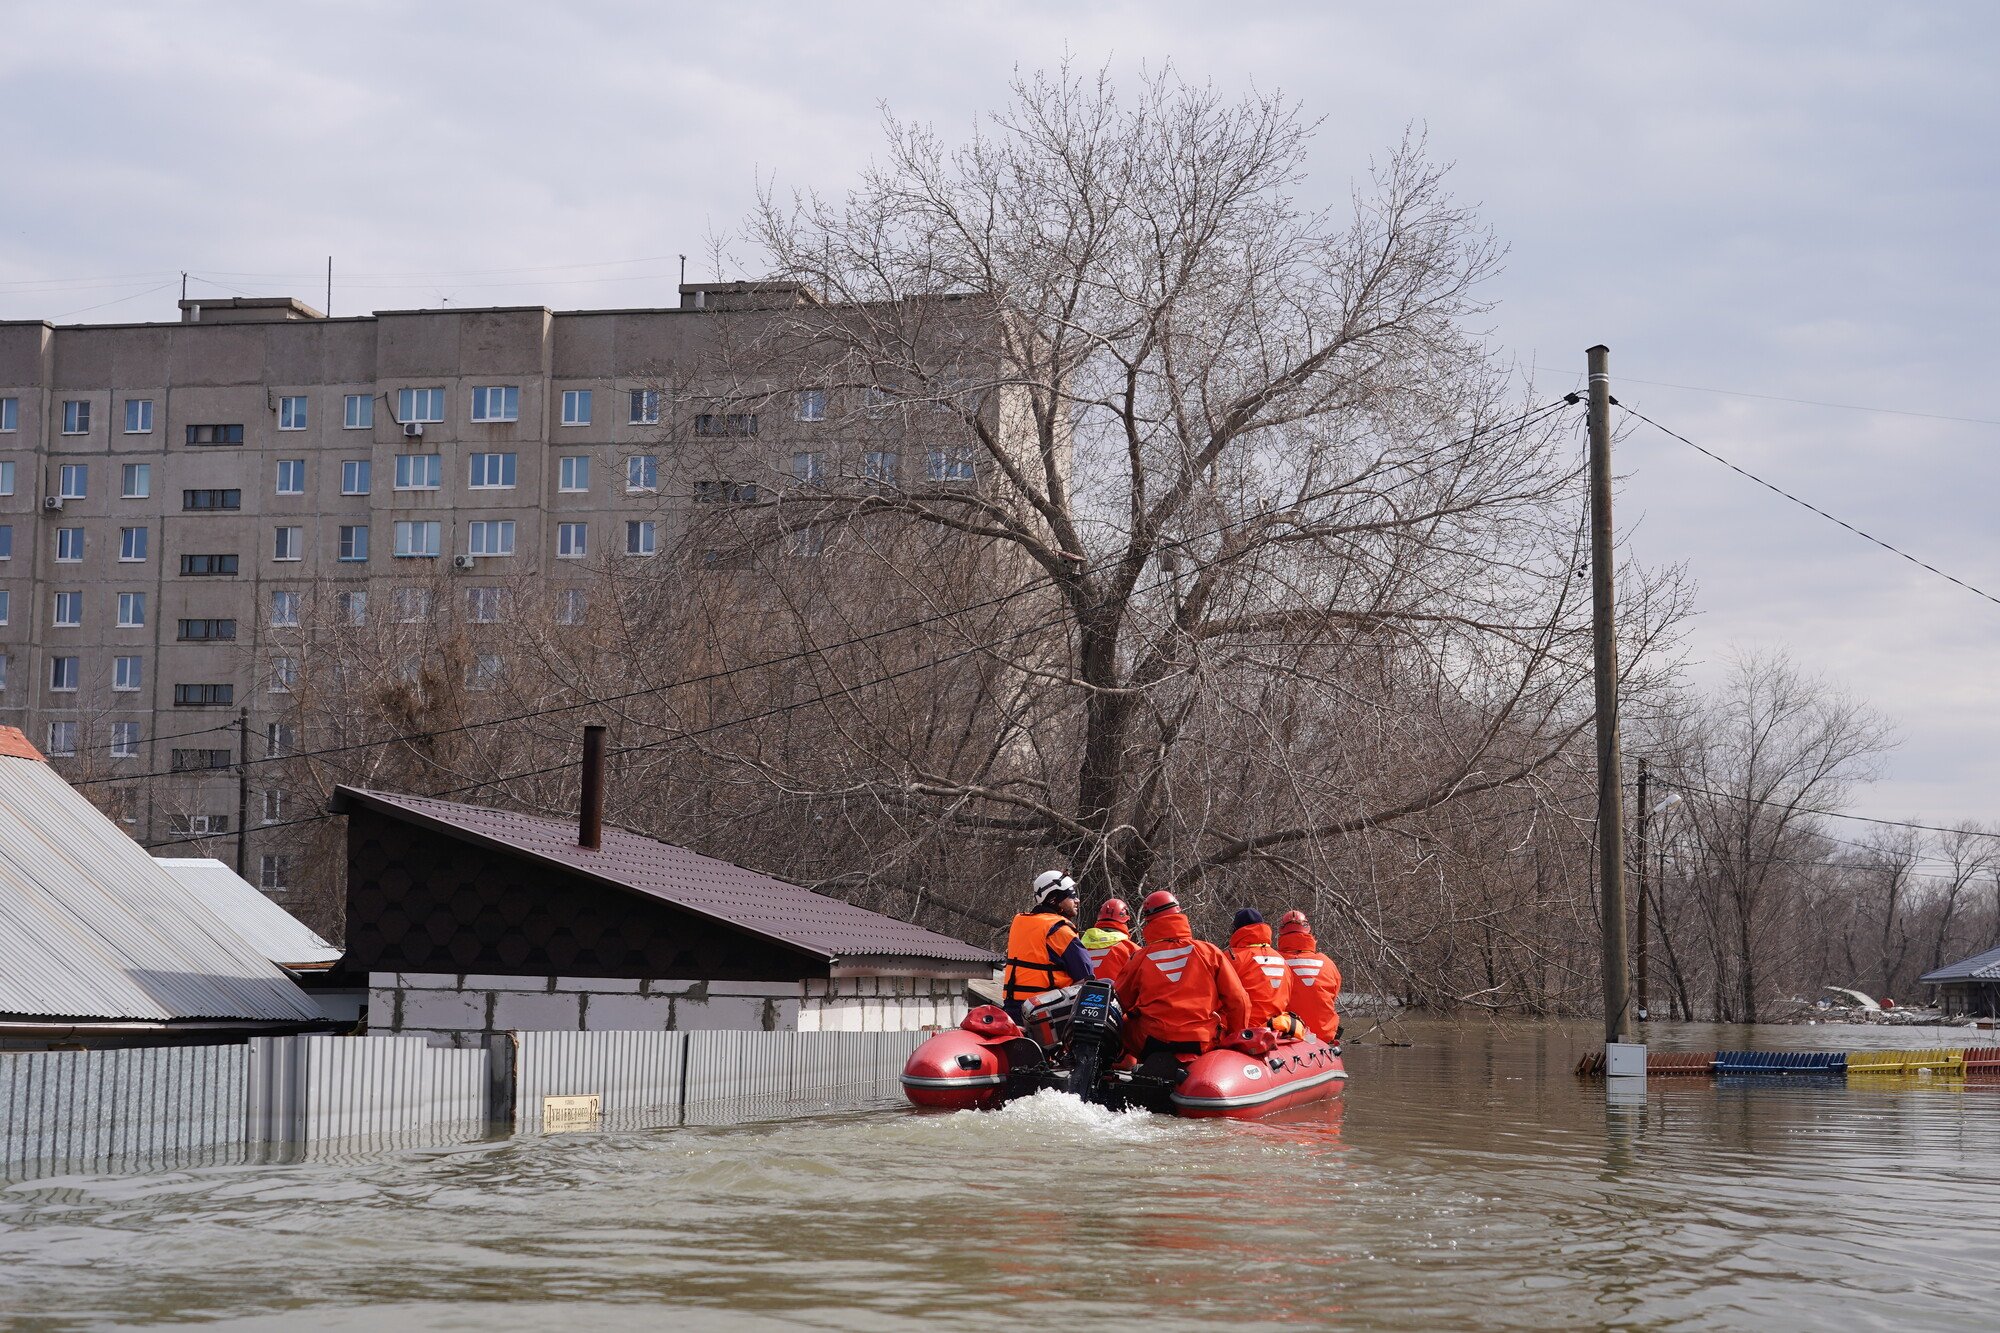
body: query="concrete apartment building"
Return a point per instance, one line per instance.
(169, 493)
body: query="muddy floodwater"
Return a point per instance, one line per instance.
(1465, 1181)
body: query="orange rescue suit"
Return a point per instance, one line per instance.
(1315, 982)
(1179, 990)
(1108, 949)
(1264, 974)
(1035, 946)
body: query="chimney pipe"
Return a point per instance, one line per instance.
(590, 811)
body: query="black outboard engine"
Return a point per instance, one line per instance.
(1094, 1025)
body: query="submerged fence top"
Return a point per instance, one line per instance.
(718, 889)
(93, 928)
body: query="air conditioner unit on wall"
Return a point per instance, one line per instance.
(52, 503)
(413, 429)
(461, 562)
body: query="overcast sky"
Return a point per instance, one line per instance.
(1791, 200)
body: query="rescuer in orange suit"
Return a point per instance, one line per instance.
(1315, 980)
(1043, 950)
(1261, 967)
(1180, 994)
(1109, 940)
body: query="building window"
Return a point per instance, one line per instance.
(354, 474)
(204, 696)
(69, 544)
(76, 417)
(484, 673)
(354, 607)
(292, 413)
(878, 469)
(572, 540)
(496, 402)
(642, 473)
(284, 674)
(806, 542)
(69, 610)
(279, 740)
(6, 607)
(573, 473)
(215, 434)
(284, 609)
(291, 476)
(10, 414)
(812, 405)
(411, 605)
(274, 804)
(419, 472)
(196, 761)
(132, 545)
(576, 407)
(124, 740)
(206, 630)
(274, 872)
(492, 471)
(73, 481)
(639, 537)
(6, 541)
(359, 412)
(7, 477)
(128, 674)
(138, 416)
(948, 465)
(195, 501)
(491, 537)
(288, 543)
(64, 673)
(726, 423)
(484, 606)
(354, 541)
(62, 739)
(419, 538)
(208, 566)
(721, 492)
(131, 610)
(138, 479)
(3, 671)
(420, 405)
(571, 604)
(809, 469)
(645, 407)
(199, 826)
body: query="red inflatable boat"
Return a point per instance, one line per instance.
(1070, 1043)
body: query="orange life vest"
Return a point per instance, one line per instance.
(1179, 990)
(1035, 946)
(1263, 971)
(1315, 983)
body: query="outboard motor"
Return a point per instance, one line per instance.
(1094, 1024)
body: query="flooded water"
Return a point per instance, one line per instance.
(1467, 1180)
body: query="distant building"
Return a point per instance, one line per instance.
(1970, 987)
(101, 945)
(471, 921)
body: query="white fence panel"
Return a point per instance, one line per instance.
(92, 1108)
(638, 1074)
(316, 1089)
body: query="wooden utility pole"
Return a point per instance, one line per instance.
(1644, 1010)
(1610, 796)
(243, 792)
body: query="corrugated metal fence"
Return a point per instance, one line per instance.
(103, 1109)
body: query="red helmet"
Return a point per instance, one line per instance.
(991, 1023)
(1115, 911)
(1157, 902)
(1293, 920)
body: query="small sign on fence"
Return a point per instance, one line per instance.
(569, 1113)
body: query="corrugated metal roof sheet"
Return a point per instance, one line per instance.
(265, 926)
(718, 889)
(1979, 967)
(92, 927)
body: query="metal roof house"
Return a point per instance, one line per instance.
(471, 921)
(264, 926)
(99, 944)
(1970, 986)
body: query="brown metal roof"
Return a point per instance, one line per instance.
(800, 918)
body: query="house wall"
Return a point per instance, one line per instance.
(464, 1009)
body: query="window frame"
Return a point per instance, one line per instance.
(292, 603)
(76, 416)
(405, 547)
(407, 404)
(812, 405)
(297, 468)
(568, 468)
(348, 414)
(435, 470)
(573, 541)
(293, 411)
(66, 603)
(135, 545)
(482, 461)
(649, 466)
(352, 545)
(288, 542)
(482, 406)
(572, 399)
(636, 528)
(142, 473)
(65, 666)
(128, 673)
(128, 603)
(66, 537)
(76, 474)
(352, 467)
(496, 534)
(126, 738)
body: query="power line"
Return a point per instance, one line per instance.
(1830, 814)
(1814, 402)
(1516, 424)
(1807, 504)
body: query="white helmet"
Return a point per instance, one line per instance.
(1053, 882)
